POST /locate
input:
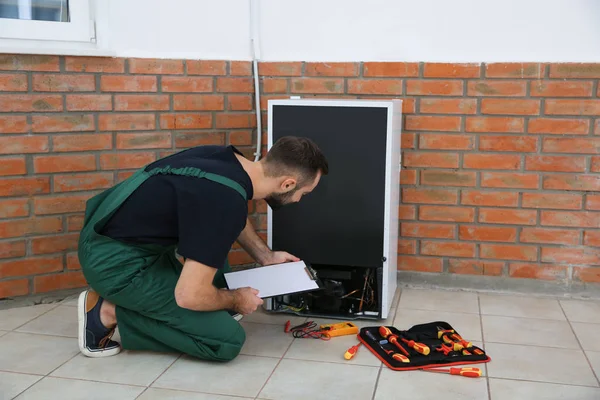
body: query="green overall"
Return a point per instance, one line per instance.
(140, 280)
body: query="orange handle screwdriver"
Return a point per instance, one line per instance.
(386, 333)
(467, 372)
(419, 347)
(351, 352)
(397, 356)
(477, 351)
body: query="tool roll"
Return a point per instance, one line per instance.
(433, 344)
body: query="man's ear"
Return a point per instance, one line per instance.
(288, 184)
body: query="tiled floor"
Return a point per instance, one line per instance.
(541, 348)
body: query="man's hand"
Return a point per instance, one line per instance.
(279, 257)
(246, 300)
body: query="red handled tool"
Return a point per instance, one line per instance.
(467, 372)
(444, 348)
(397, 356)
(419, 347)
(386, 333)
(351, 352)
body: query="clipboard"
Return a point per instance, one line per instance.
(277, 279)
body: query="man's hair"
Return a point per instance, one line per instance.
(291, 155)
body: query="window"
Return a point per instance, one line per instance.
(62, 20)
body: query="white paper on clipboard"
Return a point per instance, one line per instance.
(275, 280)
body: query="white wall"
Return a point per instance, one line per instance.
(343, 30)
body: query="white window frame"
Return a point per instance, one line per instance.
(80, 28)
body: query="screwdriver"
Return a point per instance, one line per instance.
(397, 356)
(351, 352)
(393, 339)
(419, 347)
(466, 371)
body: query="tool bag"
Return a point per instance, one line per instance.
(424, 334)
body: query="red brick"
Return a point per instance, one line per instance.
(239, 258)
(407, 141)
(449, 249)
(407, 246)
(64, 163)
(275, 85)
(575, 70)
(60, 204)
(475, 267)
(73, 262)
(77, 182)
(95, 64)
(185, 121)
(408, 177)
(63, 123)
(13, 124)
(85, 142)
(507, 216)
(240, 103)
(147, 140)
(420, 264)
(13, 83)
(549, 236)
(434, 141)
(373, 86)
(231, 120)
(446, 214)
(427, 159)
(23, 186)
(572, 107)
(432, 123)
(509, 180)
(495, 124)
(514, 70)
(123, 175)
(126, 122)
(537, 271)
(30, 103)
(448, 106)
(572, 182)
(63, 83)
(235, 85)
(561, 89)
(126, 160)
(206, 67)
(142, 102)
(331, 69)
(597, 127)
(240, 68)
(521, 144)
(200, 102)
(12, 249)
(14, 208)
(489, 198)
(89, 102)
(430, 196)
(586, 274)
(240, 138)
(192, 139)
(12, 166)
(571, 255)
(554, 200)
(13, 287)
(559, 126)
(434, 87)
(155, 66)
(74, 223)
(508, 252)
(510, 106)
(123, 83)
(497, 88)
(591, 238)
(280, 68)
(26, 62)
(66, 280)
(575, 219)
(404, 212)
(54, 244)
(595, 166)
(390, 69)
(592, 202)
(487, 233)
(491, 161)
(448, 178)
(419, 229)
(186, 84)
(571, 145)
(409, 105)
(31, 266)
(26, 227)
(447, 70)
(555, 163)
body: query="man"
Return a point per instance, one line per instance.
(193, 203)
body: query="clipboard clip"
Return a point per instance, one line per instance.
(312, 274)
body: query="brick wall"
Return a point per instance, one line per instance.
(501, 162)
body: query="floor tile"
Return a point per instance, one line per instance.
(61, 321)
(594, 357)
(12, 384)
(295, 379)
(263, 317)
(467, 325)
(439, 300)
(426, 385)
(244, 376)
(524, 307)
(588, 335)
(503, 389)
(70, 301)
(124, 368)
(265, 340)
(15, 317)
(35, 354)
(2, 333)
(164, 394)
(539, 364)
(67, 389)
(537, 332)
(582, 311)
(332, 350)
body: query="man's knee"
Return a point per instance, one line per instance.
(225, 348)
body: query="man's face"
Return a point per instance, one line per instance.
(277, 200)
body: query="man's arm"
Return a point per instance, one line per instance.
(257, 248)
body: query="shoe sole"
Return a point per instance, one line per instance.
(82, 327)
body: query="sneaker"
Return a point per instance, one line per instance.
(237, 316)
(94, 337)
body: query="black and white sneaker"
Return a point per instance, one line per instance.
(94, 337)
